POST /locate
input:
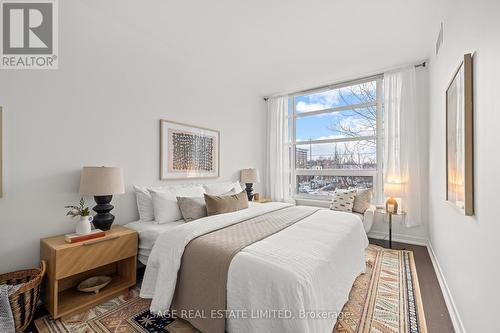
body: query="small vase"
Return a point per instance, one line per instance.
(83, 225)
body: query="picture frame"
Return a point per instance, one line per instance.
(188, 152)
(459, 139)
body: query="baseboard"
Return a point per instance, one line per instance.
(450, 303)
(399, 238)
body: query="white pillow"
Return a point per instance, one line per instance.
(144, 203)
(233, 191)
(221, 188)
(165, 205)
(343, 200)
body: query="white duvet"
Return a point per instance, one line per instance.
(282, 283)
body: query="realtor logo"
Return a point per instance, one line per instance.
(29, 34)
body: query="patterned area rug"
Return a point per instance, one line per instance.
(386, 299)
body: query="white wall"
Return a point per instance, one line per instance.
(102, 107)
(467, 247)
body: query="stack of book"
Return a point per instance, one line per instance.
(74, 238)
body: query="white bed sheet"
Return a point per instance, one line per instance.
(308, 268)
(148, 233)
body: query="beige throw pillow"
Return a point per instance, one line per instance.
(343, 200)
(362, 200)
(225, 204)
(192, 208)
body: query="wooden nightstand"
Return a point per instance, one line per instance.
(68, 264)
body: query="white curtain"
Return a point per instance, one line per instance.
(402, 149)
(278, 149)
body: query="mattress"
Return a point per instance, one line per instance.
(148, 233)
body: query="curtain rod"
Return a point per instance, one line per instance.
(423, 64)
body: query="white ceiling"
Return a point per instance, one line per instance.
(271, 46)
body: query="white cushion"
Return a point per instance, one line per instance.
(368, 218)
(233, 191)
(343, 200)
(165, 205)
(144, 203)
(222, 187)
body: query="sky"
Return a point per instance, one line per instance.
(323, 126)
(334, 98)
(319, 127)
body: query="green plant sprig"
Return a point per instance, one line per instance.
(81, 210)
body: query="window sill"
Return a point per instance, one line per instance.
(324, 202)
(313, 202)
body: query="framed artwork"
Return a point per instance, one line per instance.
(188, 151)
(459, 139)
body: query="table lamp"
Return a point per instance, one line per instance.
(249, 176)
(392, 190)
(102, 183)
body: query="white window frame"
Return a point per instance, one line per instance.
(377, 174)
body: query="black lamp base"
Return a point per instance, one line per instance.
(249, 190)
(103, 219)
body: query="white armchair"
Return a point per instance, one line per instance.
(368, 217)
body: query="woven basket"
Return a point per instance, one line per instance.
(23, 302)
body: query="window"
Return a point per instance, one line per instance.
(337, 139)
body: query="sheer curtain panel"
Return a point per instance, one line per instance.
(402, 148)
(278, 171)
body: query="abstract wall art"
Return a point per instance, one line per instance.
(188, 151)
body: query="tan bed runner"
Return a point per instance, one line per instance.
(202, 278)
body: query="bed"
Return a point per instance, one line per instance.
(149, 231)
(281, 283)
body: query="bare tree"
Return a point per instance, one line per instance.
(352, 154)
(366, 121)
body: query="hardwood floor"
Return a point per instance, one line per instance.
(436, 314)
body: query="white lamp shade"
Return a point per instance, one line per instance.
(249, 176)
(101, 181)
(393, 190)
